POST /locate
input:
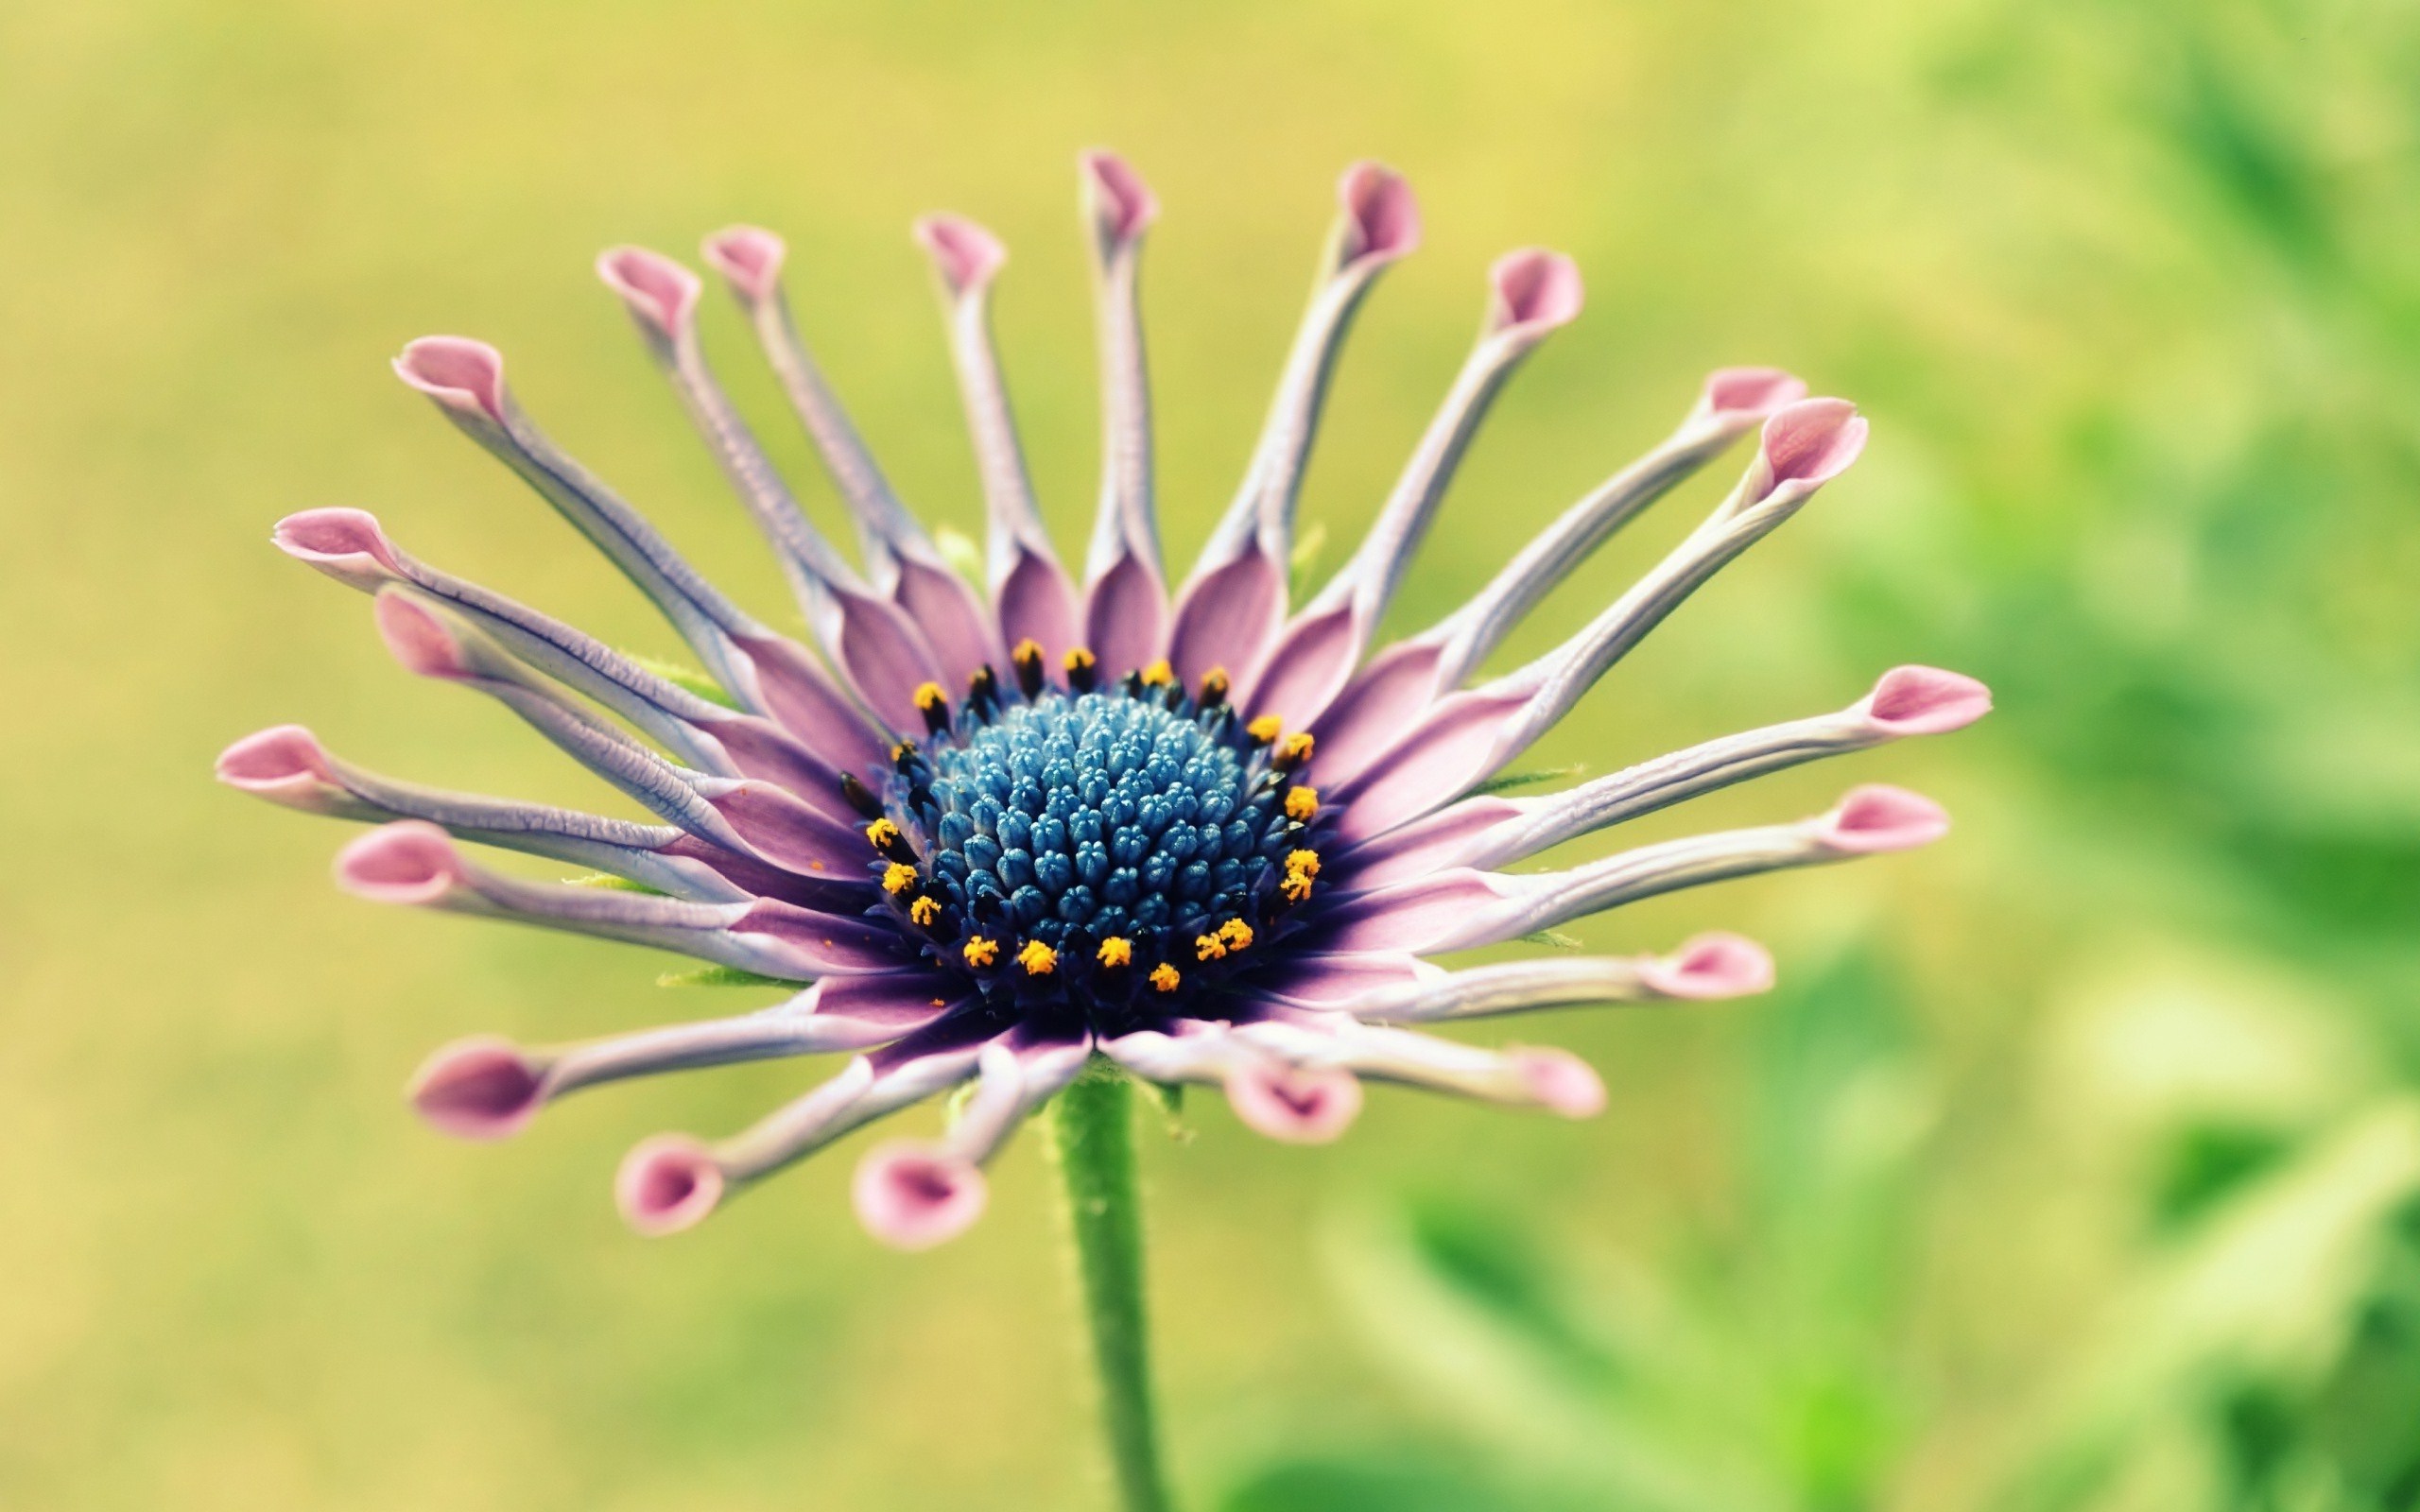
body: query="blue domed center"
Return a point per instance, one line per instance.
(1112, 854)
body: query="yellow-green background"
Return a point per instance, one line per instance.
(2131, 292)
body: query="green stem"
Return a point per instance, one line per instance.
(1092, 1139)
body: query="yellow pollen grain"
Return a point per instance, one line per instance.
(883, 833)
(1159, 674)
(927, 912)
(1117, 950)
(1302, 805)
(1296, 887)
(1215, 683)
(1077, 659)
(902, 751)
(898, 877)
(1209, 948)
(929, 697)
(1037, 958)
(1266, 728)
(1296, 747)
(1235, 933)
(1026, 650)
(980, 951)
(1165, 977)
(1305, 862)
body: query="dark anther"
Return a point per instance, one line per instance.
(1084, 671)
(983, 692)
(934, 705)
(860, 796)
(1214, 687)
(1027, 660)
(904, 757)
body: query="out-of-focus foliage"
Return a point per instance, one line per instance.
(2070, 1167)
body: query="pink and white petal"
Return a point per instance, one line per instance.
(1336, 980)
(1522, 1076)
(1447, 753)
(1228, 617)
(1126, 616)
(1397, 688)
(1434, 914)
(1037, 603)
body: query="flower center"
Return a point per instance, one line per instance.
(1104, 854)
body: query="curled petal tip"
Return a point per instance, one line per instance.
(1812, 441)
(1384, 219)
(1926, 701)
(336, 538)
(1748, 391)
(482, 1089)
(1877, 818)
(914, 1197)
(1712, 966)
(458, 372)
(274, 761)
(1535, 290)
(408, 862)
(658, 290)
(749, 258)
(1297, 1105)
(1122, 204)
(668, 1183)
(415, 637)
(964, 253)
(1561, 1081)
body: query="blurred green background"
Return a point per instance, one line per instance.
(2072, 1165)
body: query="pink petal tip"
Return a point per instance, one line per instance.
(1877, 818)
(1122, 204)
(1926, 701)
(276, 760)
(1812, 441)
(668, 1183)
(459, 373)
(658, 290)
(407, 861)
(417, 638)
(1385, 219)
(482, 1089)
(1748, 391)
(1561, 1081)
(1296, 1105)
(346, 539)
(913, 1196)
(749, 258)
(1535, 290)
(1711, 965)
(965, 254)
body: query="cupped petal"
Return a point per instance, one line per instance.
(1916, 700)
(1379, 223)
(465, 378)
(1906, 701)
(1119, 208)
(668, 1183)
(965, 258)
(479, 1088)
(1423, 917)
(661, 294)
(1708, 967)
(1295, 1104)
(750, 259)
(1804, 446)
(289, 766)
(1748, 394)
(1555, 1080)
(1533, 291)
(912, 1195)
(1877, 818)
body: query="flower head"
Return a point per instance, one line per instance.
(992, 834)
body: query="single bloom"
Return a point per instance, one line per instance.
(1190, 827)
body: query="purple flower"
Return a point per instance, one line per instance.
(1207, 835)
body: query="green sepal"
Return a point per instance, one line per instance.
(724, 976)
(688, 680)
(1528, 777)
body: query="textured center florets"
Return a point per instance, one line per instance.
(1112, 853)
